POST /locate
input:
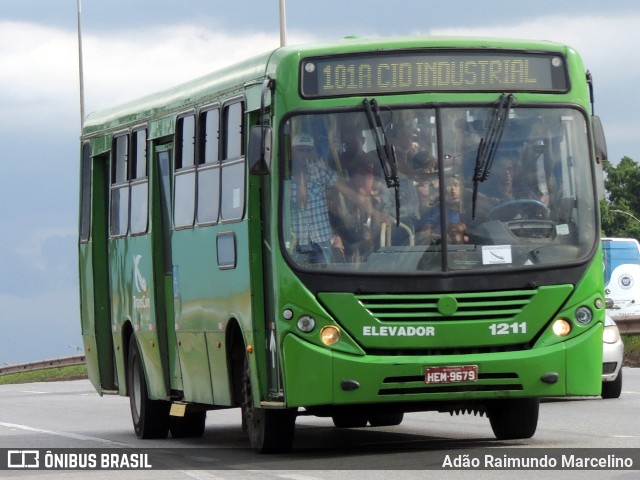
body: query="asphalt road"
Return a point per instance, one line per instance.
(72, 415)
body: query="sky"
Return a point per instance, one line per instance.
(134, 47)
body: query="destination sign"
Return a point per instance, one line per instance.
(432, 71)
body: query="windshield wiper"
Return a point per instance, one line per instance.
(386, 153)
(489, 145)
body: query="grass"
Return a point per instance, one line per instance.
(631, 350)
(56, 374)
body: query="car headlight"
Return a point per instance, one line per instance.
(611, 334)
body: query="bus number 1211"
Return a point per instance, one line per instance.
(507, 328)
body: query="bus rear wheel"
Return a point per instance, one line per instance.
(514, 418)
(269, 430)
(191, 425)
(150, 417)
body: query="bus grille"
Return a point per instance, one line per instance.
(498, 306)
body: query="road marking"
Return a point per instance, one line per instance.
(74, 436)
(31, 391)
(200, 475)
(295, 476)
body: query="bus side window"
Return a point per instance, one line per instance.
(233, 164)
(85, 193)
(120, 186)
(139, 182)
(209, 166)
(185, 174)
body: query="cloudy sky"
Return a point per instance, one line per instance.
(132, 47)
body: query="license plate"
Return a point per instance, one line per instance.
(463, 373)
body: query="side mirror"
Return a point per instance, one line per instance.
(601, 154)
(260, 150)
(599, 140)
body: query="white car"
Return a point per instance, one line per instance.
(613, 351)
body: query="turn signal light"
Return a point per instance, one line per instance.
(330, 335)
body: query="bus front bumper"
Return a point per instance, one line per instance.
(321, 376)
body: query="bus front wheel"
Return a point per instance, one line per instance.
(269, 430)
(514, 418)
(150, 417)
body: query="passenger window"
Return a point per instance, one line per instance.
(233, 167)
(233, 131)
(186, 142)
(85, 195)
(121, 161)
(139, 182)
(233, 191)
(209, 168)
(185, 174)
(119, 216)
(210, 127)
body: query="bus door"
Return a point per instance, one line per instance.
(132, 275)
(260, 184)
(164, 265)
(95, 309)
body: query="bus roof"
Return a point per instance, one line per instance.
(254, 70)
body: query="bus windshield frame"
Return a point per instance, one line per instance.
(543, 157)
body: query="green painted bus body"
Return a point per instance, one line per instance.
(183, 319)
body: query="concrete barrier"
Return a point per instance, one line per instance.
(43, 364)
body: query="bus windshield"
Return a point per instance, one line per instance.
(458, 190)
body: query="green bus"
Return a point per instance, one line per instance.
(352, 230)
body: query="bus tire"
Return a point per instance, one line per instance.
(269, 430)
(386, 419)
(612, 389)
(150, 417)
(514, 418)
(189, 426)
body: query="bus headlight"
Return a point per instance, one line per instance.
(561, 327)
(330, 335)
(306, 323)
(584, 315)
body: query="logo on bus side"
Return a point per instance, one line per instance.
(141, 302)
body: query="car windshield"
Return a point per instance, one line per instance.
(530, 202)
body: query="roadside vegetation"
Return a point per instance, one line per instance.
(620, 217)
(631, 350)
(74, 372)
